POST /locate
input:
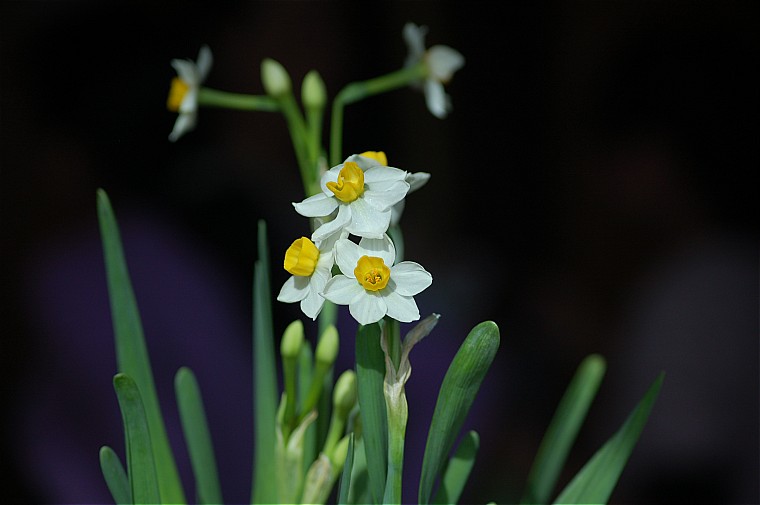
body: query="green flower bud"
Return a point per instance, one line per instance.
(313, 94)
(292, 339)
(339, 454)
(344, 394)
(275, 78)
(327, 347)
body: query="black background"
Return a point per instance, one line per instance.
(594, 190)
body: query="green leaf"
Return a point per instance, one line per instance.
(345, 477)
(563, 430)
(116, 478)
(197, 437)
(458, 470)
(305, 370)
(596, 480)
(358, 491)
(131, 352)
(141, 467)
(264, 379)
(370, 373)
(458, 391)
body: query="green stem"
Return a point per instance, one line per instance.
(239, 101)
(397, 417)
(356, 91)
(299, 137)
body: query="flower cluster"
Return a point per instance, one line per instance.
(359, 197)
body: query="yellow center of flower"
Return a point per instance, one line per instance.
(301, 257)
(378, 156)
(350, 185)
(372, 273)
(176, 94)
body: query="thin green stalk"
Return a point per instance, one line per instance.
(216, 98)
(356, 91)
(398, 414)
(299, 138)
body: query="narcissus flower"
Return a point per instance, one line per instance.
(183, 95)
(440, 62)
(371, 285)
(362, 192)
(311, 266)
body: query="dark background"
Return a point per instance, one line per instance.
(594, 190)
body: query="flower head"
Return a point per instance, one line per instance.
(311, 266)
(362, 192)
(183, 95)
(440, 63)
(371, 285)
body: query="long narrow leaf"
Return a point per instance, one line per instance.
(563, 430)
(197, 437)
(458, 390)
(370, 372)
(596, 480)
(265, 388)
(115, 476)
(345, 478)
(458, 470)
(131, 352)
(141, 469)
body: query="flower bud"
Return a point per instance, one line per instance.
(327, 347)
(344, 394)
(292, 339)
(313, 94)
(339, 454)
(275, 78)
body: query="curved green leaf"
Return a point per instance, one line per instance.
(115, 475)
(370, 373)
(563, 430)
(197, 437)
(458, 470)
(596, 480)
(458, 391)
(141, 468)
(131, 352)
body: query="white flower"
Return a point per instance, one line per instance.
(416, 181)
(362, 192)
(311, 266)
(440, 62)
(371, 285)
(183, 95)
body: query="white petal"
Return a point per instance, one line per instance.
(189, 102)
(379, 247)
(368, 308)
(183, 124)
(410, 278)
(437, 101)
(382, 200)
(366, 221)
(443, 61)
(186, 70)
(414, 36)
(416, 180)
(330, 176)
(380, 173)
(343, 290)
(312, 304)
(318, 205)
(295, 289)
(402, 308)
(204, 62)
(396, 212)
(347, 255)
(342, 219)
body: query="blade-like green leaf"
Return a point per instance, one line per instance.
(358, 491)
(345, 478)
(265, 388)
(458, 390)
(370, 373)
(115, 475)
(596, 480)
(305, 370)
(197, 437)
(458, 470)
(141, 467)
(131, 352)
(563, 430)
